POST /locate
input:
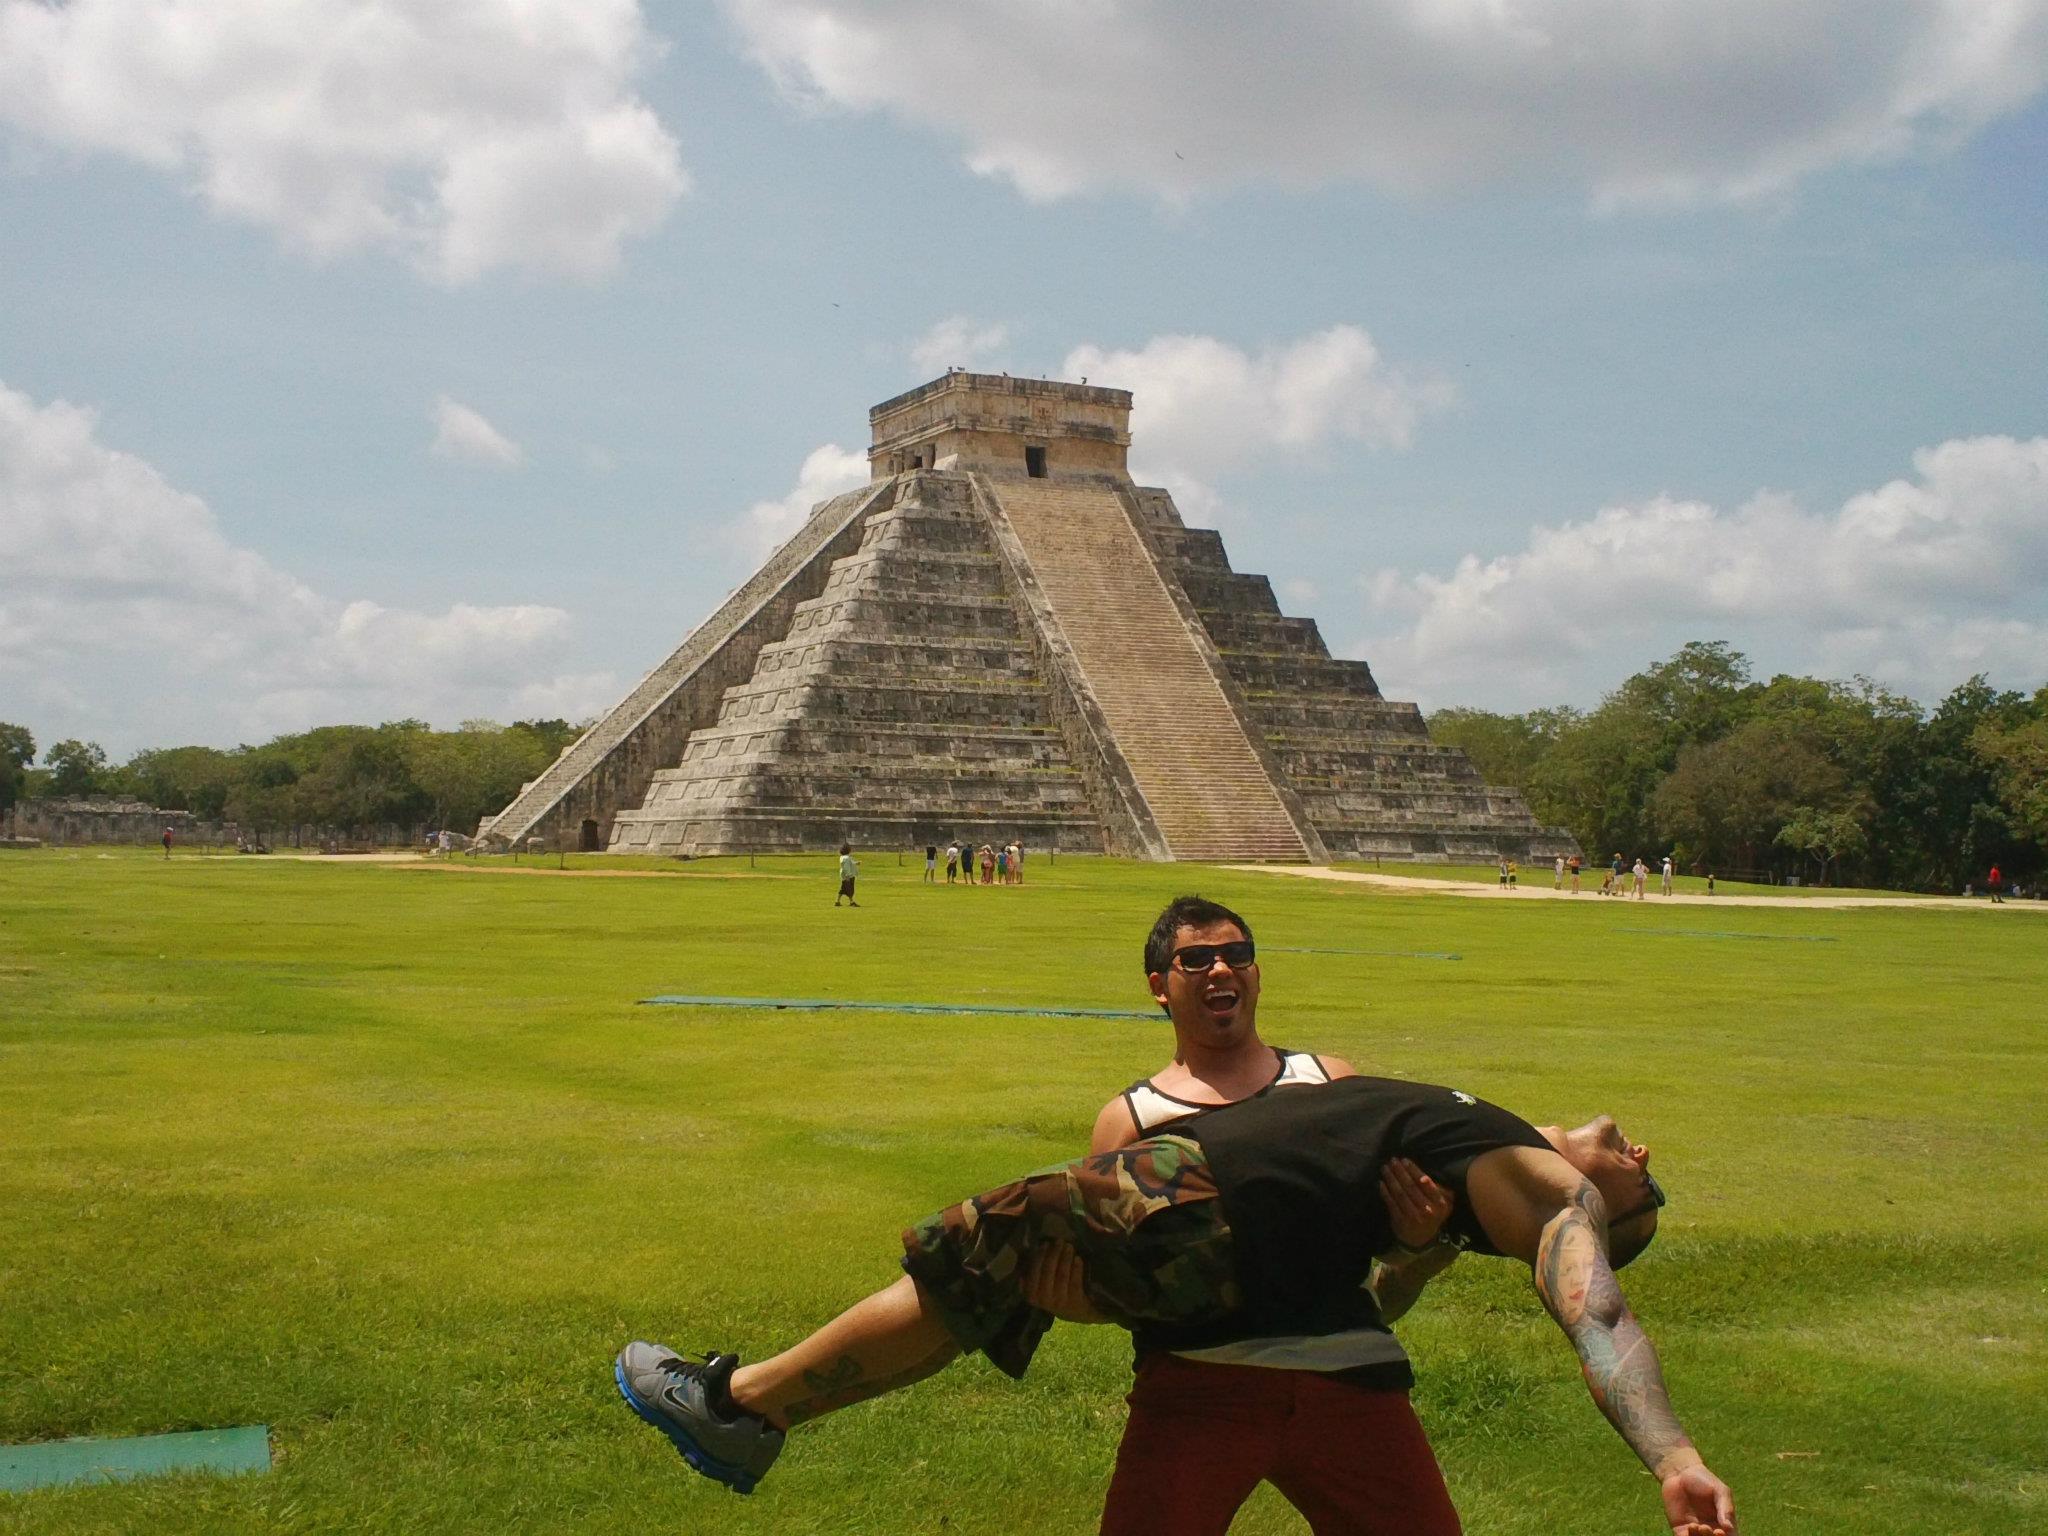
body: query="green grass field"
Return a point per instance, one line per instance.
(389, 1160)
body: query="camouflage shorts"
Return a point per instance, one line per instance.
(1144, 1219)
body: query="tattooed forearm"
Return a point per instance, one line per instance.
(846, 1381)
(1578, 1287)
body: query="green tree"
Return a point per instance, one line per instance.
(264, 794)
(1597, 777)
(553, 735)
(76, 767)
(1724, 802)
(1943, 810)
(358, 777)
(17, 751)
(1506, 749)
(467, 774)
(2018, 755)
(1823, 836)
(195, 779)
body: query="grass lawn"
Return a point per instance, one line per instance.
(391, 1161)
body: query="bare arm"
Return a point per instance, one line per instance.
(1114, 1127)
(1534, 1206)
(1579, 1290)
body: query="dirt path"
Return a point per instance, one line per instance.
(1591, 892)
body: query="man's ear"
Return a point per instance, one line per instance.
(1157, 982)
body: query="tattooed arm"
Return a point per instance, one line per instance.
(1534, 1206)
(1579, 1289)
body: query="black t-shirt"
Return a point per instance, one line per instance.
(1298, 1173)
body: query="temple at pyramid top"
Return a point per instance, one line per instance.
(991, 422)
(1001, 638)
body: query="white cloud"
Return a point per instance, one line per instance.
(1918, 583)
(960, 341)
(1202, 407)
(827, 471)
(1631, 100)
(466, 134)
(120, 591)
(462, 434)
(573, 696)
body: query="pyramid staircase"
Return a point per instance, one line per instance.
(1203, 781)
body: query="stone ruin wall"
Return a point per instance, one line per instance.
(106, 821)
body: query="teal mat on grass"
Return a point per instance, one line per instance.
(681, 1001)
(55, 1463)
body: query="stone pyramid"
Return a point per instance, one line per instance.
(1001, 637)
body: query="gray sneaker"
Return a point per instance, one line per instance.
(691, 1403)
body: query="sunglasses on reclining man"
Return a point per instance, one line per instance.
(1197, 958)
(1656, 1201)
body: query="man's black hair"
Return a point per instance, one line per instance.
(1184, 912)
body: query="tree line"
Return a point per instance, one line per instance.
(401, 773)
(1846, 783)
(1841, 782)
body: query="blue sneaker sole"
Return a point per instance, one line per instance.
(700, 1460)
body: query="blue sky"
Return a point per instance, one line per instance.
(371, 359)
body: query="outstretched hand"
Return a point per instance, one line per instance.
(1697, 1503)
(1417, 1205)
(1055, 1282)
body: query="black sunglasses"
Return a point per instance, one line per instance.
(1656, 1201)
(1197, 958)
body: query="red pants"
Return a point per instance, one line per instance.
(1201, 1437)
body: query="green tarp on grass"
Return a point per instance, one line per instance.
(678, 1000)
(54, 1463)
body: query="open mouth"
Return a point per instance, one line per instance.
(1220, 1001)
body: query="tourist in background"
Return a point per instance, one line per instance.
(848, 870)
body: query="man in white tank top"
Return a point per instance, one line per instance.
(1326, 1418)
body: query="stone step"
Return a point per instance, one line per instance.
(1015, 704)
(1170, 717)
(870, 832)
(1227, 591)
(1265, 632)
(1263, 678)
(1317, 719)
(937, 799)
(882, 617)
(957, 661)
(899, 571)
